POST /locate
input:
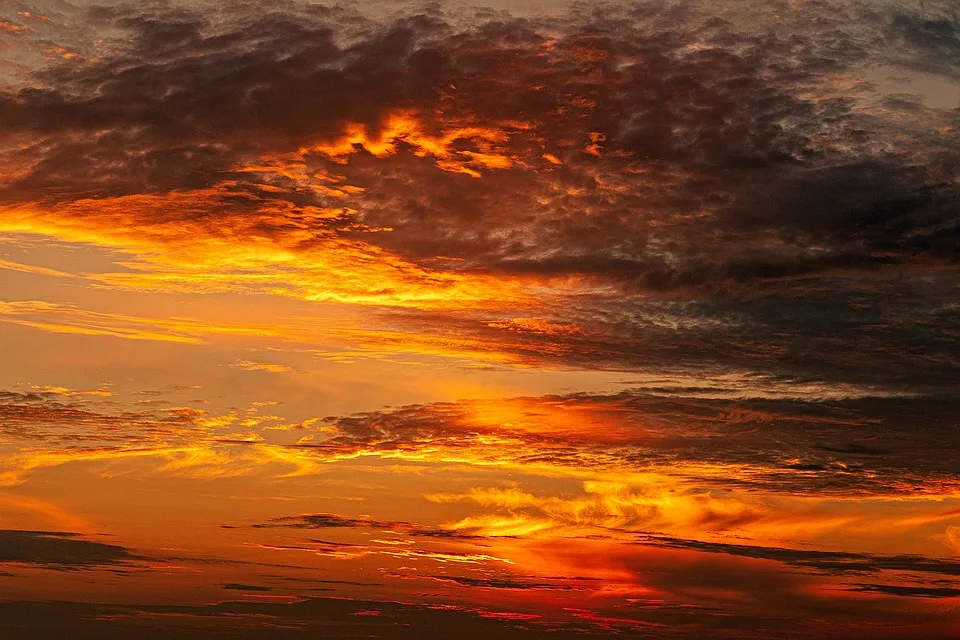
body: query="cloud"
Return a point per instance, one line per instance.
(607, 507)
(337, 521)
(29, 268)
(726, 200)
(910, 591)
(330, 520)
(831, 562)
(296, 618)
(60, 550)
(932, 40)
(251, 365)
(501, 583)
(66, 318)
(234, 586)
(638, 188)
(953, 538)
(12, 27)
(647, 442)
(853, 447)
(49, 428)
(667, 581)
(398, 549)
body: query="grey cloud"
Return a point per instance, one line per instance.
(932, 37)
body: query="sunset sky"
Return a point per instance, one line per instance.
(508, 319)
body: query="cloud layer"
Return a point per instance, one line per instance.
(670, 184)
(747, 214)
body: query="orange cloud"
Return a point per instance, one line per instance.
(12, 27)
(280, 250)
(18, 510)
(536, 325)
(952, 536)
(250, 365)
(408, 129)
(63, 318)
(661, 503)
(29, 268)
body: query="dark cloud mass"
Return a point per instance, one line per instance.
(730, 169)
(59, 550)
(307, 618)
(836, 563)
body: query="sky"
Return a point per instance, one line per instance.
(514, 319)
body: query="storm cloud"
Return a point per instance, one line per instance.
(715, 175)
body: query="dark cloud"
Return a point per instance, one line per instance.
(504, 583)
(74, 421)
(336, 521)
(235, 586)
(842, 447)
(309, 617)
(727, 186)
(710, 111)
(324, 520)
(831, 562)
(910, 591)
(183, 99)
(254, 620)
(330, 520)
(60, 550)
(933, 38)
(352, 583)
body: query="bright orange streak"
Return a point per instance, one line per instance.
(351, 343)
(407, 128)
(29, 268)
(179, 247)
(16, 506)
(69, 319)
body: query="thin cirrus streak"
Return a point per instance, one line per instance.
(529, 320)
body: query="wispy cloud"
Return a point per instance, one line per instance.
(252, 365)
